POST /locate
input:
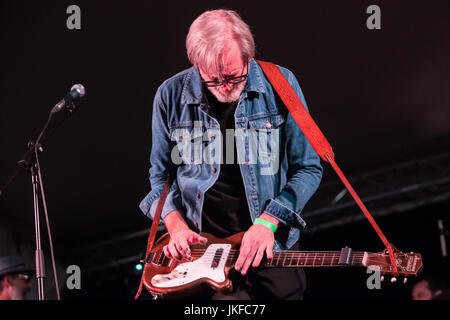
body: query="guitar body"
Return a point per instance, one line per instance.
(170, 278)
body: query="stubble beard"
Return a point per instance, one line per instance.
(231, 96)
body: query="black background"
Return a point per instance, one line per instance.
(379, 96)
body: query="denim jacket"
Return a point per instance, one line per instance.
(279, 168)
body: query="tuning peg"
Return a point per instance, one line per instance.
(405, 280)
(394, 279)
(382, 278)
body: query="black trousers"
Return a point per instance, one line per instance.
(268, 284)
(262, 284)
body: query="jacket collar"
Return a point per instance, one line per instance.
(192, 90)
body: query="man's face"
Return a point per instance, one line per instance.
(233, 67)
(20, 286)
(421, 291)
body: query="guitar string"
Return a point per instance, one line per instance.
(314, 263)
(199, 251)
(289, 256)
(317, 257)
(287, 253)
(284, 255)
(298, 259)
(328, 257)
(308, 265)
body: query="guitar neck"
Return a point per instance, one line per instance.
(307, 259)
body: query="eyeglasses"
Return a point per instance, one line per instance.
(24, 276)
(235, 80)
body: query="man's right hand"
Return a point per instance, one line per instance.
(181, 237)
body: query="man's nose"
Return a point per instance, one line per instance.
(227, 85)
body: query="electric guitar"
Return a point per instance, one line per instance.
(212, 264)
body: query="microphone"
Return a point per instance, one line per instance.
(77, 91)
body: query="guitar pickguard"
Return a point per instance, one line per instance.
(210, 265)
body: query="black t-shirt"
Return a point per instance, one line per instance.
(225, 207)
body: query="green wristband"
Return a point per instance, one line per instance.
(266, 223)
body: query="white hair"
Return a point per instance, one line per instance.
(211, 33)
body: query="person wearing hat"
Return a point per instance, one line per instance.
(15, 278)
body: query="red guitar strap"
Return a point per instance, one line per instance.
(154, 229)
(317, 139)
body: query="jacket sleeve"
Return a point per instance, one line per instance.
(304, 170)
(161, 164)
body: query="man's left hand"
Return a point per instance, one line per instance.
(257, 240)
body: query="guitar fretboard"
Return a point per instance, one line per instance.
(305, 259)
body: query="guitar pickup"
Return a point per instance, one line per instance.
(344, 257)
(216, 259)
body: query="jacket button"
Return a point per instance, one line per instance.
(213, 170)
(197, 195)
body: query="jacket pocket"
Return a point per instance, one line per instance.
(265, 135)
(191, 141)
(266, 122)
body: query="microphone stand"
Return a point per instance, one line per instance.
(442, 233)
(39, 256)
(30, 161)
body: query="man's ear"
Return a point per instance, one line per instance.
(8, 280)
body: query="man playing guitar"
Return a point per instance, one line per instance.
(239, 160)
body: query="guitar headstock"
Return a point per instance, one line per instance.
(408, 264)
